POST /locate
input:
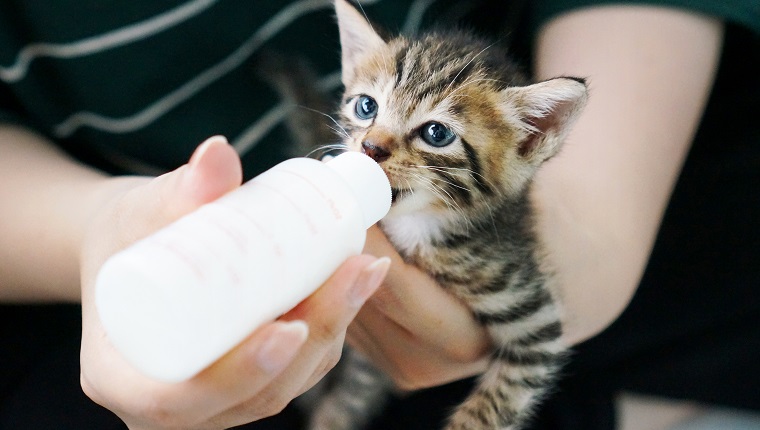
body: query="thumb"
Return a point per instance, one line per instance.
(141, 206)
(213, 170)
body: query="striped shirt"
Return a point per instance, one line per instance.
(135, 85)
(138, 84)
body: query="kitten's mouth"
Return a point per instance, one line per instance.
(395, 194)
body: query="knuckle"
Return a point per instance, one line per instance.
(408, 383)
(325, 331)
(90, 391)
(151, 408)
(416, 376)
(156, 410)
(408, 379)
(332, 359)
(270, 405)
(387, 301)
(463, 354)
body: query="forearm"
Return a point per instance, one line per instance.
(600, 201)
(46, 201)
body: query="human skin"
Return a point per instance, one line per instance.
(68, 218)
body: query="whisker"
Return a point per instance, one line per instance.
(473, 174)
(327, 148)
(442, 194)
(436, 190)
(343, 131)
(468, 63)
(409, 190)
(469, 81)
(365, 16)
(337, 131)
(452, 184)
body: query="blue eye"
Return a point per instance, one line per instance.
(437, 134)
(366, 107)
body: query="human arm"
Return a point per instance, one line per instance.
(39, 259)
(599, 202)
(602, 199)
(63, 219)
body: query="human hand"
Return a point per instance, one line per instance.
(260, 376)
(413, 330)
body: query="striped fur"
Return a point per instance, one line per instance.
(462, 212)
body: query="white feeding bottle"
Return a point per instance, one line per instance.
(176, 301)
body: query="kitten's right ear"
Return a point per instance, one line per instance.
(357, 37)
(546, 111)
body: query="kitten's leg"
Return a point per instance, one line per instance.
(519, 375)
(359, 393)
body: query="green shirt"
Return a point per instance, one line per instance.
(136, 85)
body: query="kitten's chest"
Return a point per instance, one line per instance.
(465, 259)
(416, 237)
(426, 242)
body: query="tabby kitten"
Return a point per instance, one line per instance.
(460, 134)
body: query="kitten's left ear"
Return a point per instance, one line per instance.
(357, 37)
(547, 111)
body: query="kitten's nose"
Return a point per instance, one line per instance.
(377, 146)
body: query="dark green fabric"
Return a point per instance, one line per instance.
(123, 81)
(742, 12)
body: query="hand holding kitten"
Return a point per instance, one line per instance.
(419, 334)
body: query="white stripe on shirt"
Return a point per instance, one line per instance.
(168, 102)
(103, 42)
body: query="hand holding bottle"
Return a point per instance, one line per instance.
(249, 382)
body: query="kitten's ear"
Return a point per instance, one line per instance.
(357, 37)
(547, 111)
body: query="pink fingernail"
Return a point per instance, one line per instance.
(368, 281)
(201, 150)
(282, 346)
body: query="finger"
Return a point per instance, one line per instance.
(213, 170)
(248, 369)
(399, 353)
(335, 304)
(330, 310)
(413, 300)
(328, 327)
(231, 380)
(327, 312)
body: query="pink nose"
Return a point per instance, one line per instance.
(377, 152)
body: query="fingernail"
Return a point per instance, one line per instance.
(368, 281)
(282, 346)
(202, 149)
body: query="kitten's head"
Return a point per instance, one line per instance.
(451, 121)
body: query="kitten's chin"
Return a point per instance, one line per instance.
(407, 201)
(395, 195)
